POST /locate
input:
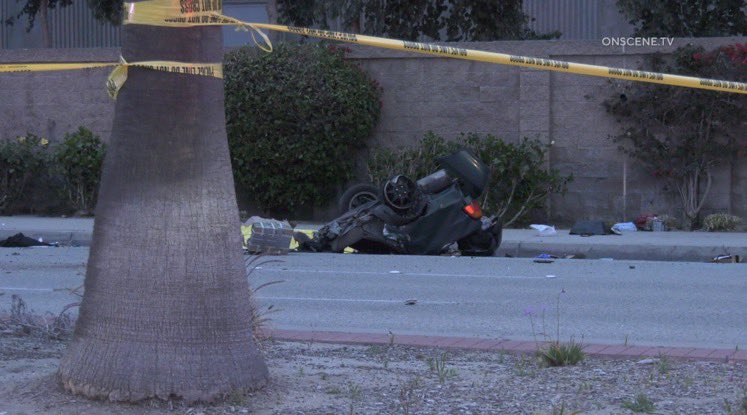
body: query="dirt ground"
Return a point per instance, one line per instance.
(312, 378)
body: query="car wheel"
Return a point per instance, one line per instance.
(357, 195)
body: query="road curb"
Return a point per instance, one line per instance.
(512, 248)
(507, 346)
(677, 253)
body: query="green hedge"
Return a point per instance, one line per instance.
(78, 161)
(295, 118)
(29, 166)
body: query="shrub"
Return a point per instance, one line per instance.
(22, 162)
(681, 134)
(721, 222)
(518, 182)
(78, 160)
(294, 119)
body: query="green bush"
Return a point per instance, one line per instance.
(294, 118)
(518, 183)
(78, 161)
(22, 162)
(721, 222)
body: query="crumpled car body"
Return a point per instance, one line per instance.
(437, 214)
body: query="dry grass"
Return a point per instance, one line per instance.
(23, 321)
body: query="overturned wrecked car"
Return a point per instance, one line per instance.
(437, 214)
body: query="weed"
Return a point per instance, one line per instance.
(741, 409)
(561, 410)
(687, 382)
(562, 354)
(556, 353)
(374, 350)
(641, 403)
(354, 395)
(333, 390)
(522, 366)
(584, 387)
(408, 395)
(439, 365)
(237, 397)
(663, 365)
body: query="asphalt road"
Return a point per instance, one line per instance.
(645, 302)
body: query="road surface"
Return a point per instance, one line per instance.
(609, 302)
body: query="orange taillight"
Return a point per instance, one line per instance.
(473, 210)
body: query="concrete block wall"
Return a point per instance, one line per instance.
(424, 93)
(51, 104)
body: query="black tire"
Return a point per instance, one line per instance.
(356, 195)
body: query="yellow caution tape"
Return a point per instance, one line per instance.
(505, 59)
(187, 13)
(184, 13)
(39, 67)
(118, 76)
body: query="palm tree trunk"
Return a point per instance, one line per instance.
(166, 310)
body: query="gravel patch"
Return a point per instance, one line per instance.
(313, 378)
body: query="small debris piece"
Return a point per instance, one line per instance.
(648, 361)
(544, 230)
(727, 259)
(395, 272)
(631, 266)
(545, 259)
(551, 276)
(411, 301)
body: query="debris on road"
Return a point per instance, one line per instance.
(544, 230)
(727, 259)
(20, 240)
(590, 227)
(545, 259)
(620, 228)
(411, 301)
(268, 236)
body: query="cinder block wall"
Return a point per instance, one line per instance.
(450, 96)
(447, 96)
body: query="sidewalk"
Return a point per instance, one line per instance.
(655, 246)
